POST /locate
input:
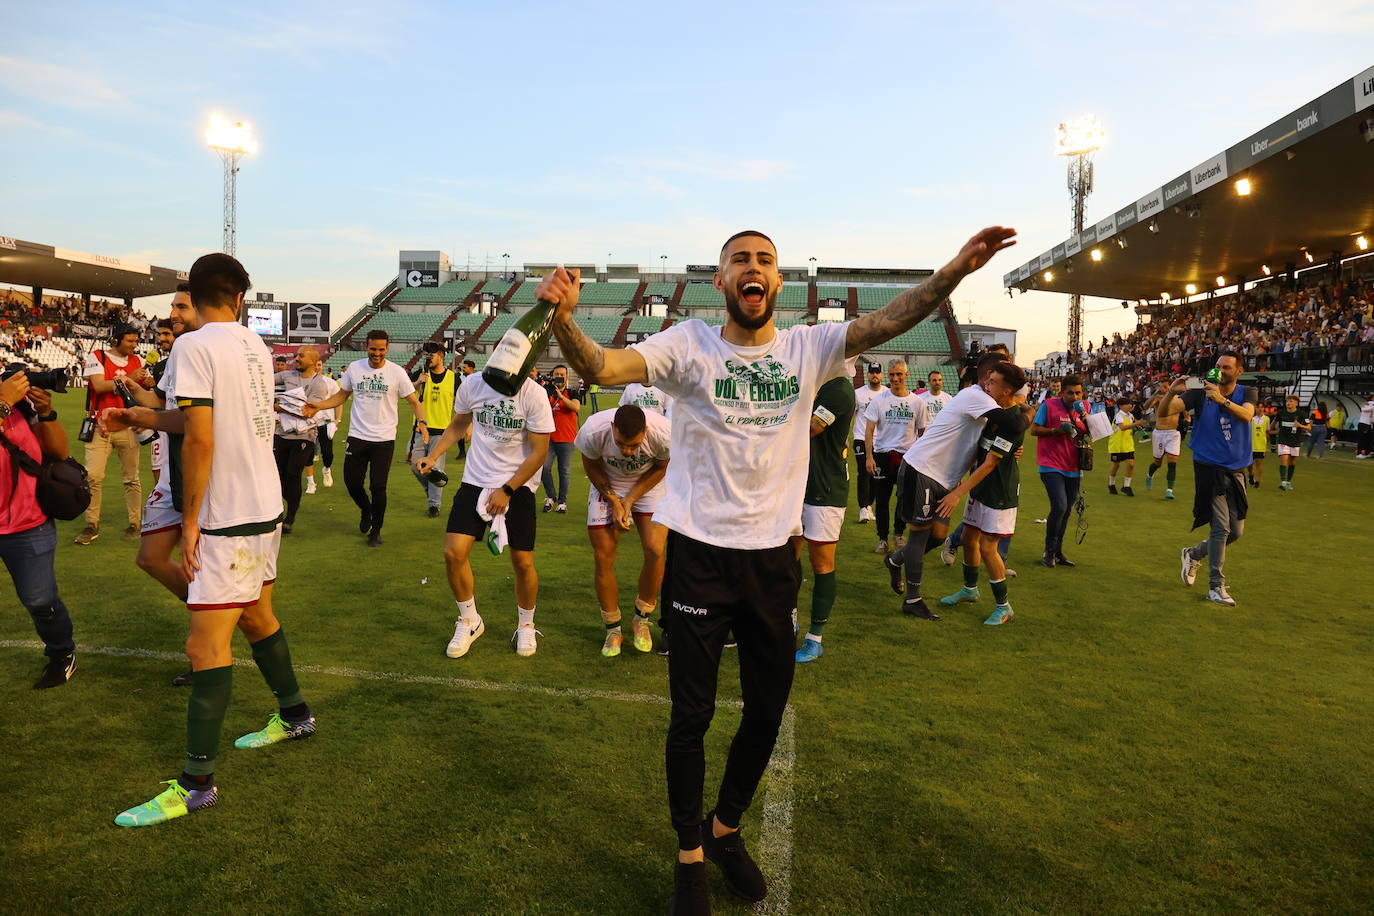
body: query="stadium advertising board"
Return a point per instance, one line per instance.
(7, 242)
(417, 279)
(1364, 90)
(656, 299)
(1149, 205)
(1057, 253)
(1209, 173)
(307, 322)
(1106, 229)
(1125, 218)
(1299, 124)
(1071, 247)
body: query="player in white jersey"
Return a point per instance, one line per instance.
(735, 487)
(935, 397)
(625, 454)
(161, 529)
(646, 397)
(222, 380)
(862, 396)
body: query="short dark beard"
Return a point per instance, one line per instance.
(732, 308)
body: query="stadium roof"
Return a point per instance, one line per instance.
(31, 264)
(1311, 189)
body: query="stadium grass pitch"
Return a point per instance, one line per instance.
(1121, 746)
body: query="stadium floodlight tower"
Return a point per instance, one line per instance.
(232, 140)
(1078, 139)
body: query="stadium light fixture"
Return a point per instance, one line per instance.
(1121, 242)
(1308, 255)
(1221, 281)
(1095, 254)
(1078, 136)
(1243, 187)
(1049, 276)
(232, 140)
(1190, 288)
(1164, 297)
(1362, 243)
(1152, 225)
(1266, 270)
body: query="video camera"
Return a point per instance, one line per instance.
(47, 379)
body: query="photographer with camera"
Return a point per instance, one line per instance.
(102, 369)
(1060, 425)
(1221, 446)
(565, 409)
(30, 434)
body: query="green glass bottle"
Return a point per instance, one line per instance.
(519, 348)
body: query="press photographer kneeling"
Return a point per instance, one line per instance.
(33, 447)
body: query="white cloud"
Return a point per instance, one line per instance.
(53, 84)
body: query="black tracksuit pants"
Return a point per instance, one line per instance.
(373, 460)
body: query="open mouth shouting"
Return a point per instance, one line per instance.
(752, 292)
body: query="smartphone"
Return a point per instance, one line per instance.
(87, 433)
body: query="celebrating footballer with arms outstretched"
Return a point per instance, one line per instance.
(742, 405)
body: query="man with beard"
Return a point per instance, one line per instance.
(734, 491)
(862, 396)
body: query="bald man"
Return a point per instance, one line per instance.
(294, 441)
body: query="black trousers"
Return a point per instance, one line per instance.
(707, 592)
(326, 445)
(888, 464)
(293, 457)
(865, 484)
(373, 460)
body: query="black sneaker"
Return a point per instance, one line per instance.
(58, 671)
(916, 607)
(286, 527)
(1061, 560)
(894, 572)
(742, 876)
(433, 512)
(365, 522)
(1128, 491)
(374, 539)
(183, 679)
(691, 896)
(1047, 560)
(1111, 488)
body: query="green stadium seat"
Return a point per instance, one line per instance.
(607, 293)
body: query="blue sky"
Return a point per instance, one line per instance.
(864, 134)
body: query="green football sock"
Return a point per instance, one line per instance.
(1291, 468)
(822, 600)
(999, 591)
(205, 716)
(274, 661)
(1173, 473)
(970, 576)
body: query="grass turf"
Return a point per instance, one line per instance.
(1122, 746)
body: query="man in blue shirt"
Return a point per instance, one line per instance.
(1222, 411)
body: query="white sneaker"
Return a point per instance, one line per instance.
(898, 542)
(328, 477)
(1189, 569)
(463, 635)
(881, 548)
(865, 515)
(548, 505)
(524, 639)
(1011, 573)
(1220, 596)
(947, 553)
(309, 486)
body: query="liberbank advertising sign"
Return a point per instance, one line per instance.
(1345, 100)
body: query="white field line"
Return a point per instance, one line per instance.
(775, 835)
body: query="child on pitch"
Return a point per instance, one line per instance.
(1121, 445)
(993, 490)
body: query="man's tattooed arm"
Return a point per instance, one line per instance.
(594, 362)
(901, 314)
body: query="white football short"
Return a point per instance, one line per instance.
(822, 524)
(1165, 441)
(158, 514)
(1001, 522)
(233, 570)
(1289, 450)
(599, 511)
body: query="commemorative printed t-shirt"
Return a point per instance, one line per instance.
(863, 396)
(373, 415)
(898, 418)
(741, 421)
(596, 440)
(227, 367)
(499, 424)
(647, 398)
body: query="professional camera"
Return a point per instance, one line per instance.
(47, 379)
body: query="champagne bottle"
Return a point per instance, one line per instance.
(519, 348)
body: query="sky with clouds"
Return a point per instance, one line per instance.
(863, 134)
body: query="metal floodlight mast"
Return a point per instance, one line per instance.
(232, 140)
(1078, 140)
